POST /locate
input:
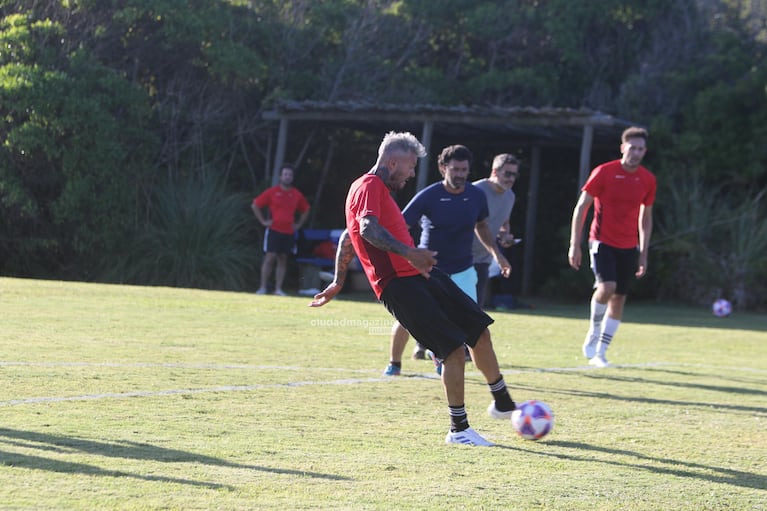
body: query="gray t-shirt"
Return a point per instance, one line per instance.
(500, 205)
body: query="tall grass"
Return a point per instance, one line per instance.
(711, 244)
(197, 236)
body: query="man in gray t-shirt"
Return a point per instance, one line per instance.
(500, 202)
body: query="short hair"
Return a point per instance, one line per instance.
(403, 142)
(502, 159)
(454, 152)
(634, 132)
(288, 166)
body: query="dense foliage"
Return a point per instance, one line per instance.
(103, 103)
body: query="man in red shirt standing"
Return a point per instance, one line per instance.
(283, 201)
(623, 193)
(418, 294)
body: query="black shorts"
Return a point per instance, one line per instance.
(279, 242)
(611, 264)
(435, 311)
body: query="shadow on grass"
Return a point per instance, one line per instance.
(651, 313)
(584, 452)
(125, 450)
(729, 406)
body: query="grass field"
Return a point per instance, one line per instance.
(118, 397)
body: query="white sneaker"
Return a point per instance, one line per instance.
(495, 413)
(261, 291)
(468, 437)
(590, 345)
(280, 292)
(599, 361)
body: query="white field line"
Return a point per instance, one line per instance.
(247, 388)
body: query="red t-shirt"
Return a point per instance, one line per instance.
(368, 196)
(283, 205)
(618, 195)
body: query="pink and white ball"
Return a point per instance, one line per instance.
(721, 308)
(532, 420)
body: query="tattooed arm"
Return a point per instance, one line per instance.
(344, 256)
(422, 259)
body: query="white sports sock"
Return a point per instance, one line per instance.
(609, 328)
(596, 315)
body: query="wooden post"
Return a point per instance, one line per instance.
(279, 157)
(423, 163)
(585, 163)
(530, 221)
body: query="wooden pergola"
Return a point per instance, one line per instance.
(530, 126)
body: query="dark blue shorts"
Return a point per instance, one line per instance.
(435, 311)
(279, 242)
(611, 264)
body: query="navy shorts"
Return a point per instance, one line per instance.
(435, 311)
(611, 264)
(279, 242)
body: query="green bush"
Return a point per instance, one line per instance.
(711, 244)
(197, 236)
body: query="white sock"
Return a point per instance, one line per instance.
(608, 331)
(595, 317)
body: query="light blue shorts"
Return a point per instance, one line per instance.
(467, 281)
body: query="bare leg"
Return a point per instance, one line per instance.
(399, 337)
(453, 377)
(484, 357)
(279, 276)
(266, 269)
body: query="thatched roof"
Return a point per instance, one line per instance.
(531, 125)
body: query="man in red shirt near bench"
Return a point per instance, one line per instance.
(283, 201)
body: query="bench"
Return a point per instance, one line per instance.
(313, 265)
(307, 241)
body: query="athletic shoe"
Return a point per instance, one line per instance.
(437, 362)
(280, 292)
(392, 370)
(419, 354)
(590, 345)
(495, 413)
(599, 361)
(468, 437)
(261, 291)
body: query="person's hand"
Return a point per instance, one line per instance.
(505, 265)
(506, 239)
(574, 256)
(267, 223)
(325, 295)
(642, 266)
(422, 260)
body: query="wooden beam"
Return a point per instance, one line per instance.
(585, 162)
(528, 261)
(279, 157)
(423, 163)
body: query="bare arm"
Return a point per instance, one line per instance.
(260, 216)
(576, 229)
(372, 232)
(645, 231)
(301, 220)
(485, 237)
(344, 256)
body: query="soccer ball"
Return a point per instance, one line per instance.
(721, 308)
(532, 419)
